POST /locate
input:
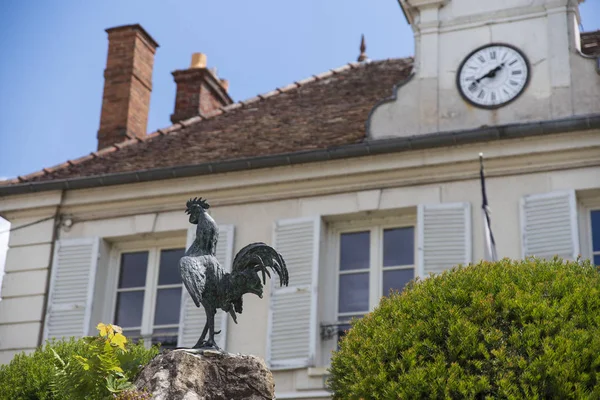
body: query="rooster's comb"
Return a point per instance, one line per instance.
(196, 202)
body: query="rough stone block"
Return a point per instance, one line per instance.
(180, 374)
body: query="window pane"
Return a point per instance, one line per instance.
(132, 335)
(343, 328)
(354, 292)
(354, 250)
(166, 342)
(345, 322)
(165, 331)
(398, 246)
(597, 260)
(168, 302)
(396, 279)
(168, 272)
(129, 308)
(167, 337)
(596, 230)
(133, 269)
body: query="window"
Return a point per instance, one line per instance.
(148, 295)
(595, 235)
(371, 263)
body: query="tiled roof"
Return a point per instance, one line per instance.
(323, 111)
(590, 43)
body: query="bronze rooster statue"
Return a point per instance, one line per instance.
(207, 282)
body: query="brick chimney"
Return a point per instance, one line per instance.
(199, 90)
(127, 85)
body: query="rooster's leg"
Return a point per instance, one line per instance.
(211, 331)
(201, 341)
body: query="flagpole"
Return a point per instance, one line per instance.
(490, 243)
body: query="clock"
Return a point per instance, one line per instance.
(493, 75)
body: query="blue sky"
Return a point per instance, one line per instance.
(54, 53)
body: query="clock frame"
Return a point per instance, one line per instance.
(468, 57)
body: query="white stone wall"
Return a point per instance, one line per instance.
(24, 285)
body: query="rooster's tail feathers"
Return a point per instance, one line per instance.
(266, 256)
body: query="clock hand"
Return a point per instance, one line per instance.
(490, 73)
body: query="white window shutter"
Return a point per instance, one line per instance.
(71, 288)
(444, 237)
(224, 253)
(192, 318)
(292, 337)
(549, 225)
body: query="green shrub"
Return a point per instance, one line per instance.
(94, 367)
(510, 330)
(28, 376)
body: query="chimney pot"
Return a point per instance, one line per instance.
(199, 90)
(198, 60)
(225, 84)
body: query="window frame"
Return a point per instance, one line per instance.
(590, 233)
(328, 321)
(153, 247)
(375, 227)
(587, 202)
(375, 257)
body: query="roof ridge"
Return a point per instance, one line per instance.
(178, 126)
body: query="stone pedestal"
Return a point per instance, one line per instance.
(207, 375)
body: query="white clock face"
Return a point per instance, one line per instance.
(493, 75)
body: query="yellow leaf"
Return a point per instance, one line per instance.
(102, 328)
(119, 340)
